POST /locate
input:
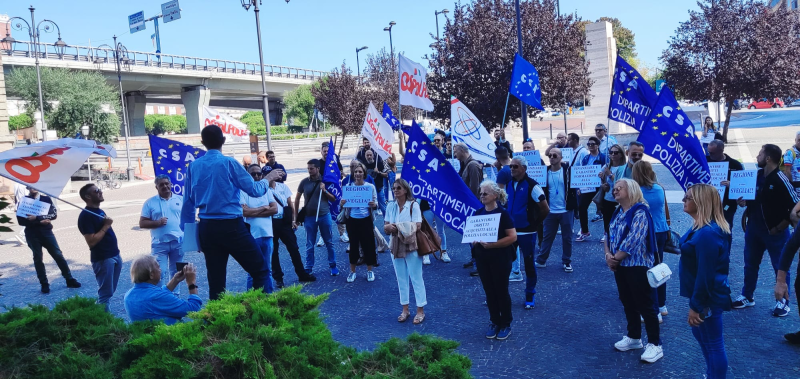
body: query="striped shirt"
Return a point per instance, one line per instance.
(635, 243)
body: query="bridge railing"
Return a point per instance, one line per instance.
(102, 56)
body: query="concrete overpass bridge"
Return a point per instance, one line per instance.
(171, 79)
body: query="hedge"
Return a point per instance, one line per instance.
(20, 122)
(248, 335)
(162, 124)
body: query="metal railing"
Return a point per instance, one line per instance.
(145, 59)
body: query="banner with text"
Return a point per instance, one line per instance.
(233, 129)
(332, 178)
(719, 173)
(743, 184)
(481, 228)
(413, 87)
(32, 207)
(172, 158)
(378, 132)
(466, 128)
(585, 177)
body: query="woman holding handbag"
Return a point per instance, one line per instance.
(655, 196)
(615, 169)
(630, 249)
(359, 224)
(705, 259)
(402, 221)
(493, 261)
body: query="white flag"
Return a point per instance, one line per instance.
(413, 87)
(465, 127)
(233, 129)
(378, 132)
(48, 166)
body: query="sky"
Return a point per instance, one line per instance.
(312, 34)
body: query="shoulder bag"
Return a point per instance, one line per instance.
(301, 214)
(673, 245)
(428, 241)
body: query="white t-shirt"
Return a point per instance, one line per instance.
(394, 215)
(282, 195)
(259, 226)
(555, 184)
(363, 212)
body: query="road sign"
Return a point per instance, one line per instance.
(170, 11)
(136, 22)
(660, 84)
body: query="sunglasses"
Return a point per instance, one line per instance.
(687, 198)
(553, 156)
(270, 157)
(591, 144)
(255, 174)
(514, 166)
(637, 155)
(615, 152)
(484, 194)
(97, 190)
(616, 189)
(599, 130)
(397, 189)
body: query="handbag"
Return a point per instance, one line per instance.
(673, 245)
(658, 275)
(301, 214)
(428, 241)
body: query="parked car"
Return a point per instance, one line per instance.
(765, 103)
(793, 103)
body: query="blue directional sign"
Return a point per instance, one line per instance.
(136, 22)
(170, 11)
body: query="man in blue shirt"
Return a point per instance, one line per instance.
(212, 185)
(270, 164)
(95, 226)
(149, 301)
(162, 215)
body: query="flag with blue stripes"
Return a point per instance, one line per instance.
(172, 158)
(631, 96)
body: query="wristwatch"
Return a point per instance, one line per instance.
(192, 287)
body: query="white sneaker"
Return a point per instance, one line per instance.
(660, 319)
(20, 241)
(370, 276)
(652, 353)
(603, 239)
(540, 265)
(320, 242)
(352, 277)
(627, 343)
(445, 257)
(515, 277)
(426, 260)
(344, 238)
(663, 310)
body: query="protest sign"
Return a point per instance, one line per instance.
(719, 173)
(378, 131)
(356, 196)
(33, 207)
(233, 129)
(490, 173)
(585, 177)
(481, 228)
(533, 157)
(707, 139)
(566, 154)
(539, 174)
(743, 184)
(413, 87)
(172, 158)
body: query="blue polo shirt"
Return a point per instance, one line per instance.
(157, 207)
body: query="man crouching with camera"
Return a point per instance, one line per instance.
(149, 301)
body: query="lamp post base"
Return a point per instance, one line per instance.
(130, 171)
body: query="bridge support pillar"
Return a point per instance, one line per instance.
(135, 106)
(194, 99)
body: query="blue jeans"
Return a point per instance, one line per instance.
(167, 254)
(709, 336)
(106, 272)
(439, 225)
(382, 200)
(527, 246)
(265, 246)
(551, 225)
(515, 265)
(325, 226)
(756, 240)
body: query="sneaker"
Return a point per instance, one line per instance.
(45, 288)
(558, 232)
(20, 241)
(492, 332)
(334, 271)
(663, 310)
(627, 343)
(370, 276)
(279, 283)
(603, 239)
(515, 277)
(445, 257)
(426, 260)
(308, 270)
(530, 302)
(540, 265)
(568, 267)
(597, 217)
(582, 237)
(652, 353)
(320, 242)
(781, 308)
(474, 273)
(468, 265)
(72, 283)
(660, 319)
(792, 338)
(351, 277)
(742, 302)
(504, 333)
(307, 278)
(344, 238)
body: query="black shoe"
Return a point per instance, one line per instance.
(468, 265)
(792, 338)
(72, 283)
(474, 273)
(307, 278)
(45, 288)
(278, 283)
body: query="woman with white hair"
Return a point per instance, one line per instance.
(630, 251)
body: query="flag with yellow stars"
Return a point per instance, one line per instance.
(432, 178)
(172, 158)
(525, 83)
(331, 177)
(631, 96)
(669, 137)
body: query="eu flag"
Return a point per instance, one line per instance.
(668, 135)
(433, 178)
(389, 117)
(172, 158)
(331, 178)
(525, 83)
(631, 96)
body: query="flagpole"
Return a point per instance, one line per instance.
(319, 201)
(50, 195)
(503, 121)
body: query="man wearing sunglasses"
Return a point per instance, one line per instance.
(606, 140)
(562, 201)
(162, 215)
(258, 212)
(561, 141)
(96, 229)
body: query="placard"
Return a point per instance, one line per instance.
(481, 228)
(707, 139)
(357, 196)
(455, 163)
(743, 184)
(190, 238)
(539, 174)
(585, 177)
(719, 173)
(33, 207)
(566, 154)
(490, 173)
(533, 157)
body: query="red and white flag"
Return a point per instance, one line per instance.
(378, 132)
(47, 166)
(233, 129)
(413, 86)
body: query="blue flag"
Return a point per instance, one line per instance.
(631, 96)
(172, 158)
(525, 83)
(389, 117)
(669, 137)
(331, 177)
(433, 178)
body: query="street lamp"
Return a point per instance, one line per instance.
(85, 131)
(121, 57)
(437, 13)
(246, 4)
(358, 67)
(391, 49)
(35, 33)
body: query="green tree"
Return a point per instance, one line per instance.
(299, 105)
(255, 122)
(624, 37)
(20, 122)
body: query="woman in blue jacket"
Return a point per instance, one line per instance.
(705, 257)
